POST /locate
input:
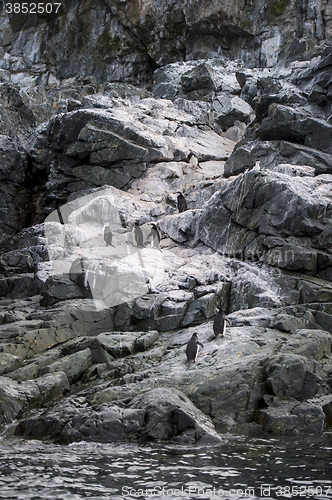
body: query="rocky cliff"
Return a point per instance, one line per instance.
(126, 41)
(93, 329)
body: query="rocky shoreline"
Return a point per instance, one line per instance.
(92, 338)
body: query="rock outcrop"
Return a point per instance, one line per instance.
(118, 41)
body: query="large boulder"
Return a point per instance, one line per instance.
(227, 110)
(159, 414)
(271, 154)
(278, 219)
(103, 144)
(19, 396)
(284, 122)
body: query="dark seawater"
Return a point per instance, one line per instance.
(238, 468)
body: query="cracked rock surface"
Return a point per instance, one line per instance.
(93, 336)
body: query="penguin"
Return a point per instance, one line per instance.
(107, 233)
(219, 323)
(182, 204)
(192, 348)
(138, 235)
(193, 160)
(155, 236)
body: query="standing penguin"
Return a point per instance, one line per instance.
(219, 324)
(138, 235)
(193, 160)
(107, 233)
(193, 348)
(155, 236)
(182, 204)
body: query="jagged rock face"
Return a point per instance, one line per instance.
(160, 414)
(259, 377)
(120, 41)
(110, 142)
(79, 313)
(269, 222)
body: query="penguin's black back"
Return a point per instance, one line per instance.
(155, 232)
(138, 235)
(219, 323)
(108, 235)
(192, 348)
(182, 204)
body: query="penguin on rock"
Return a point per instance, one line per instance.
(193, 160)
(219, 323)
(138, 233)
(182, 204)
(107, 234)
(193, 348)
(154, 234)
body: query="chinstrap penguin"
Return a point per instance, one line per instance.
(138, 235)
(193, 348)
(219, 323)
(182, 204)
(154, 234)
(193, 160)
(107, 234)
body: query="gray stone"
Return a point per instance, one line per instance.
(12, 400)
(217, 229)
(292, 376)
(138, 42)
(98, 354)
(170, 414)
(118, 344)
(287, 323)
(145, 341)
(313, 344)
(324, 320)
(272, 153)
(201, 309)
(13, 161)
(285, 123)
(120, 144)
(9, 363)
(74, 365)
(25, 373)
(200, 77)
(21, 285)
(229, 110)
(278, 420)
(52, 386)
(160, 414)
(259, 243)
(60, 288)
(180, 227)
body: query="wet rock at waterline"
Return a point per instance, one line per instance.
(158, 414)
(258, 369)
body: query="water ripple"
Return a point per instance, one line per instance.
(261, 468)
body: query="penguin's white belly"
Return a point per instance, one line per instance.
(193, 161)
